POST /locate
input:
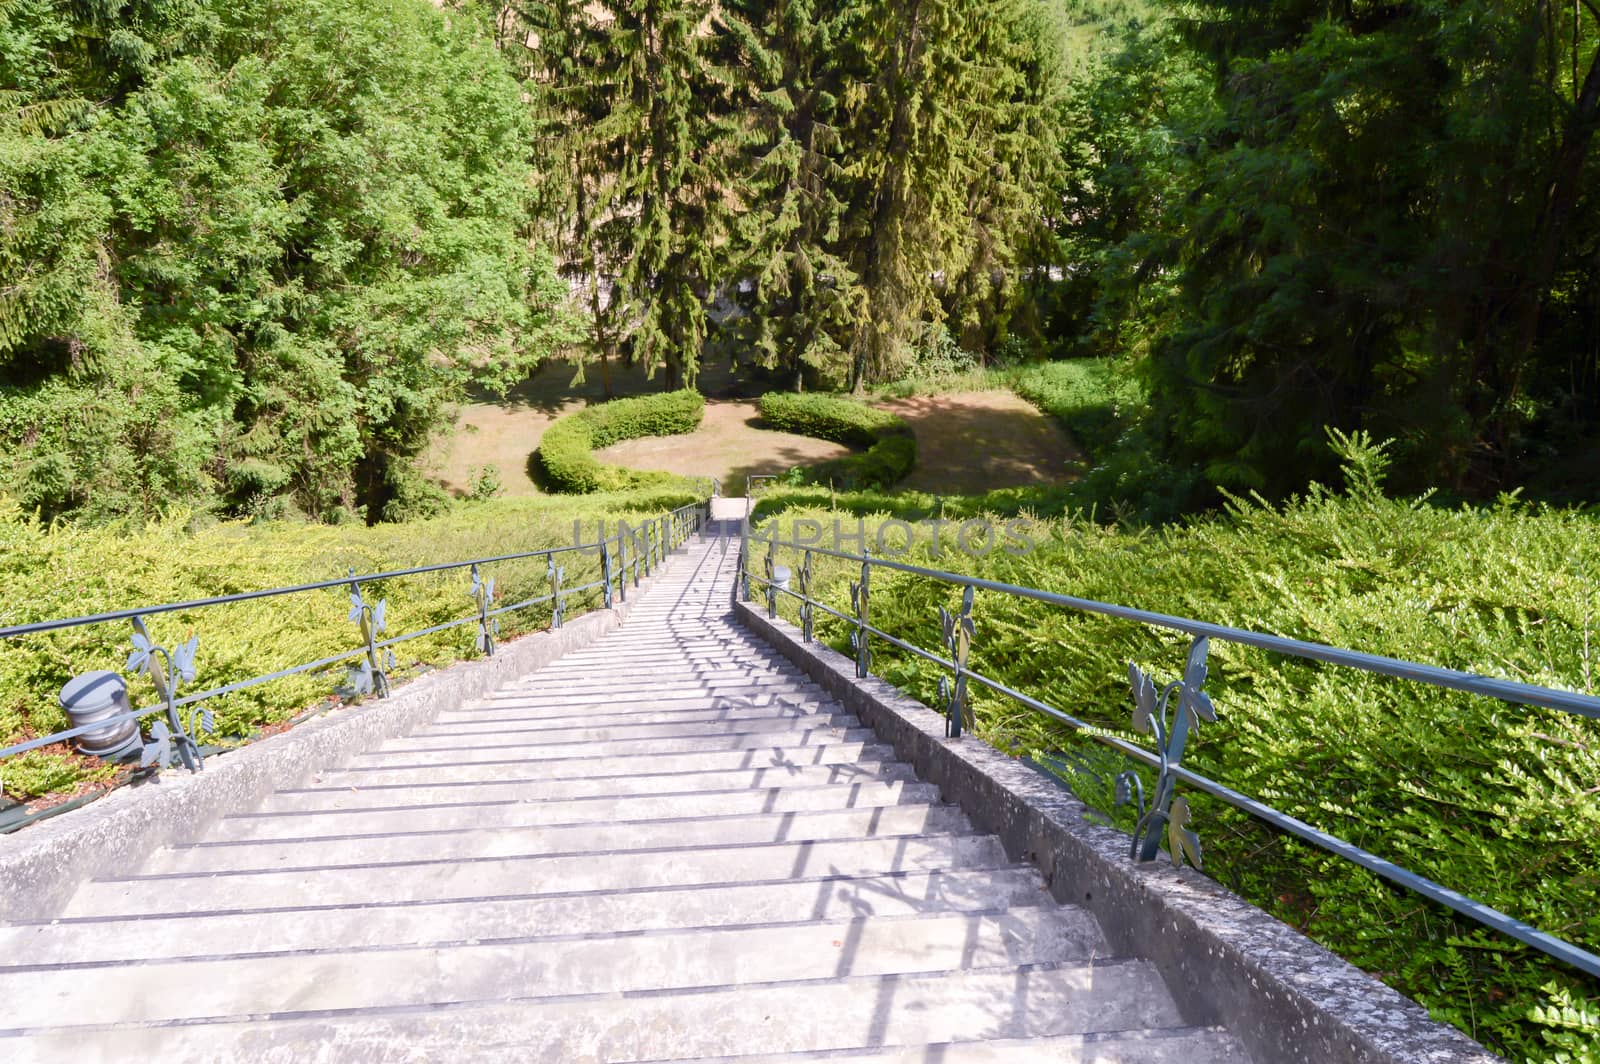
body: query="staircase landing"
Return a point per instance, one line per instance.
(670, 845)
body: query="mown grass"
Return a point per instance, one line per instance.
(65, 571)
(1496, 800)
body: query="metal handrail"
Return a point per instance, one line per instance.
(650, 542)
(1170, 725)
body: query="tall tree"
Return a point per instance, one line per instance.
(786, 62)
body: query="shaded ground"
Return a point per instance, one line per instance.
(728, 445)
(971, 442)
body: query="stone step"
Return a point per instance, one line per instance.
(483, 877)
(495, 782)
(665, 700)
(512, 812)
(819, 1016)
(289, 929)
(426, 842)
(487, 765)
(587, 677)
(641, 689)
(423, 770)
(596, 751)
(1170, 1045)
(469, 720)
(509, 735)
(230, 984)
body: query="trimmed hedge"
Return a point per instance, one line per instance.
(566, 451)
(891, 450)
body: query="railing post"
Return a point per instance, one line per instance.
(147, 657)
(772, 576)
(554, 574)
(958, 632)
(743, 584)
(482, 594)
(1154, 714)
(369, 678)
(605, 570)
(860, 598)
(805, 598)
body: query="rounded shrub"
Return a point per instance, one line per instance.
(566, 451)
(891, 450)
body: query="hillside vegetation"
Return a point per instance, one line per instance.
(1490, 799)
(52, 571)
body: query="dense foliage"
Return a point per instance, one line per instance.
(1300, 215)
(1491, 799)
(566, 450)
(58, 570)
(890, 453)
(249, 250)
(803, 183)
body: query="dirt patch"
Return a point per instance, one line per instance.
(972, 442)
(729, 444)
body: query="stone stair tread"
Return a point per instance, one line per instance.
(513, 736)
(360, 808)
(1168, 1045)
(447, 752)
(466, 970)
(418, 880)
(470, 719)
(839, 1013)
(617, 836)
(289, 928)
(757, 768)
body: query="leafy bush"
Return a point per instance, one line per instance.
(891, 450)
(566, 455)
(1491, 799)
(939, 357)
(58, 570)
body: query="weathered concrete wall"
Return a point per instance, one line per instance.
(42, 865)
(1227, 962)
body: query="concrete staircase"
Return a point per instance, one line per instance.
(667, 846)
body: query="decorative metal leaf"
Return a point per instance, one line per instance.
(141, 635)
(1144, 699)
(158, 751)
(378, 622)
(1181, 842)
(1124, 793)
(207, 723)
(137, 660)
(947, 623)
(480, 643)
(488, 590)
(183, 660)
(1193, 698)
(388, 659)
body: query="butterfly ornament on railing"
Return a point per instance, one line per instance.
(167, 669)
(482, 594)
(367, 677)
(1171, 724)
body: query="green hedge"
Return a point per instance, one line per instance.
(566, 451)
(891, 450)
(1491, 799)
(63, 570)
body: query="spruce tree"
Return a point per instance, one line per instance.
(788, 67)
